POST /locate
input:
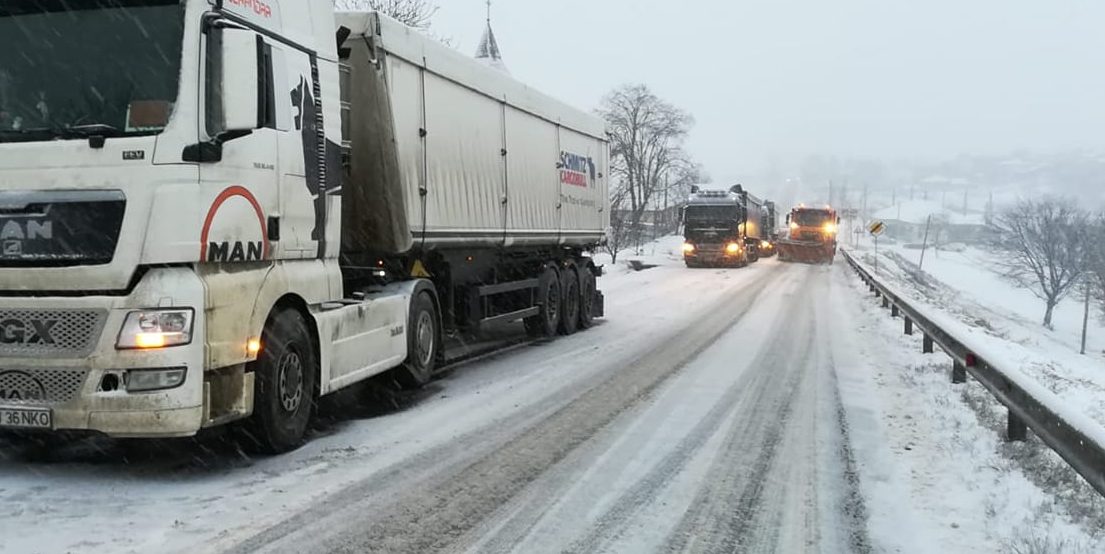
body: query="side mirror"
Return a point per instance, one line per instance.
(788, 219)
(838, 220)
(694, 189)
(238, 82)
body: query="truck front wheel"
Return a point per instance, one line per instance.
(286, 372)
(422, 344)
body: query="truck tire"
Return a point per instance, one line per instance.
(546, 322)
(422, 344)
(569, 315)
(587, 286)
(286, 373)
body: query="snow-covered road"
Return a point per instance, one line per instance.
(704, 414)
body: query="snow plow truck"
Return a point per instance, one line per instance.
(811, 238)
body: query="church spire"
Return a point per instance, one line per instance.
(488, 50)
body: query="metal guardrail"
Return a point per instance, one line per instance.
(1084, 454)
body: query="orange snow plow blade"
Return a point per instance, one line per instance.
(811, 252)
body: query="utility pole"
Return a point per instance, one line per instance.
(965, 191)
(830, 192)
(924, 246)
(1085, 316)
(864, 200)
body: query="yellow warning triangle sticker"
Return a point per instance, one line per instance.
(419, 270)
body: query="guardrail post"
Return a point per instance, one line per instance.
(885, 302)
(926, 347)
(1016, 430)
(959, 373)
(894, 311)
(908, 326)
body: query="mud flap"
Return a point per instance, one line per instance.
(598, 305)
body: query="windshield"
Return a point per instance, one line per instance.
(810, 218)
(113, 63)
(719, 215)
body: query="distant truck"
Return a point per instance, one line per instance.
(722, 228)
(812, 236)
(769, 228)
(268, 202)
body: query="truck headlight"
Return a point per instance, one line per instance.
(732, 248)
(145, 380)
(155, 329)
(688, 248)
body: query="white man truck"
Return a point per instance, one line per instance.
(217, 211)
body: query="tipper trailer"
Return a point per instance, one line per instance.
(260, 206)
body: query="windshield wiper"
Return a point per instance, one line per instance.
(96, 134)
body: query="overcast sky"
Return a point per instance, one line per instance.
(886, 78)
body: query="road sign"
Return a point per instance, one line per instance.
(876, 227)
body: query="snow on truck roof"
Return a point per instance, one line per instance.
(429, 54)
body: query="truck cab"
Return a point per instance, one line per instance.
(720, 228)
(170, 188)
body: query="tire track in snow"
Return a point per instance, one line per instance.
(721, 515)
(801, 493)
(429, 518)
(740, 397)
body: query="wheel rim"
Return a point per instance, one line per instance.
(552, 306)
(291, 381)
(424, 339)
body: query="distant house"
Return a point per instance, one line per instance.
(906, 222)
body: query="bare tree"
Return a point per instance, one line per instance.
(415, 13)
(646, 137)
(1045, 248)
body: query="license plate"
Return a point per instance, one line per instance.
(26, 418)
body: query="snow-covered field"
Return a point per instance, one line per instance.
(963, 285)
(770, 408)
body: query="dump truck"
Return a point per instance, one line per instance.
(266, 202)
(722, 228)
(812, 236)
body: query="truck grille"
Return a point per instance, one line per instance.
(40, 387)
(50, 333)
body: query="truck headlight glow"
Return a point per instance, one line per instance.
(830, 228)
(145, 380)
(149, 329)
(793, 226)
(732, 248)
(688, 248)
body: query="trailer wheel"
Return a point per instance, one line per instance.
(286, 372)
(569, 316)
(587, 286)
(546, 322)
(422, 344)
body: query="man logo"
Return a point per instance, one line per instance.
(17, 386)
(239, 252)
(14, 233)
